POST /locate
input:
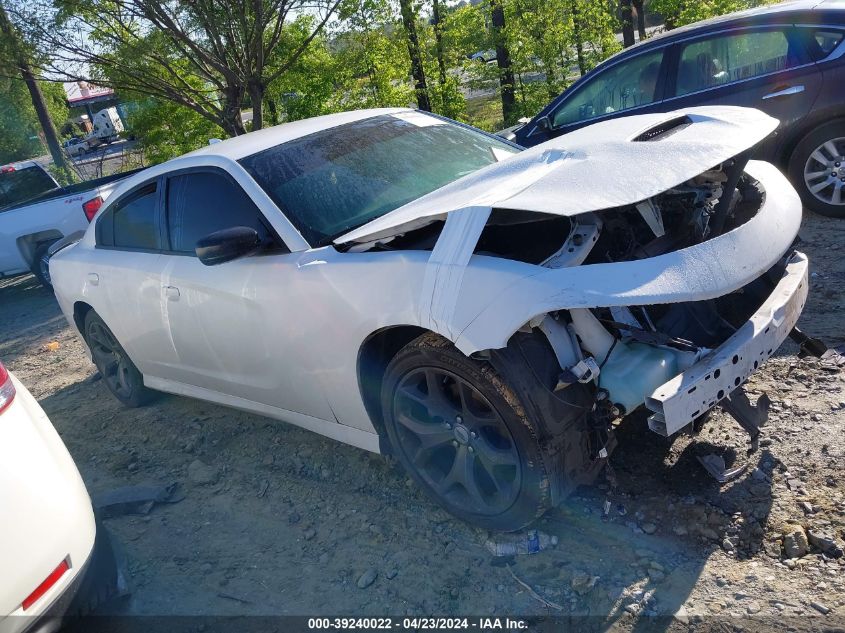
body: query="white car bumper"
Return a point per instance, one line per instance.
(679, 401)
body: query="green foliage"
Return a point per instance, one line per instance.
(372, 57)
(165, 129)
(19, 127)
(681, 12)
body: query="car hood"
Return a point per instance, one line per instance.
(605, 165)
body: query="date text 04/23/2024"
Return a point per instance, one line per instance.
(418, 624)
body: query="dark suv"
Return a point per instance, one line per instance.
(787, 60)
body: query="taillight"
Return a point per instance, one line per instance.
(7, 389)
(91, 207)
(44, 587)
(6, 169)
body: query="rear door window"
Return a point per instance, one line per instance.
(728, 58)
(18, 186)
(824, 41)
(131, 223)
(200, 203)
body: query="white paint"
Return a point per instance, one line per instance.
(282, 333)
(47, 514)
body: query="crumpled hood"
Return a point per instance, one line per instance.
(609, 164)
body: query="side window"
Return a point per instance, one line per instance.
(200, 203)
(131, 222)
(728, 58)
(626, 85)
(825, 41)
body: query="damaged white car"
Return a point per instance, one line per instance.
(407, 284)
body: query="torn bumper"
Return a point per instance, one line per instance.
(679, 401)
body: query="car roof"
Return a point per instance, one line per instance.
(254, 142)
(747, 17)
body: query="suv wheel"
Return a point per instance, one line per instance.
(817, 169)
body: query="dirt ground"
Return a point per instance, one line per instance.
(277, 520)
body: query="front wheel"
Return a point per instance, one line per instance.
(117, 370)
(461, 433)
(817, 169)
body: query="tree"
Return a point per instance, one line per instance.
(503, 61)
(409, 20)
(15, 49)
(640, 8)
(627, 23)
(437, 23)
(206, 55)
(680, 12)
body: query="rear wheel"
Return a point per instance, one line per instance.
(41, 264)
(817, 169)
(119, 373)
(460, 432)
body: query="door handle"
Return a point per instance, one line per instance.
(94, 279)
(172, 292)
(783, 92)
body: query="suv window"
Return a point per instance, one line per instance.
(199, 203)
(626, 85)
(826, 41)
(728, 58)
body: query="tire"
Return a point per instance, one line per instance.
(116, 368)
(41, 264)
(818, 160)
(462, 435)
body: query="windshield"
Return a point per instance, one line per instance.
(333, 181)
(21, 185)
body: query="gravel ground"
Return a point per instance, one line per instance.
(277, 520)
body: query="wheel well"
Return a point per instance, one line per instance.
(80, 311)
(819, 118)
(373, 358)
(28, 244)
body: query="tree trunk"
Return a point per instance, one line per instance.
(273, 111)
(638, 5)
(627, 23)
(50, 135)
(503, 60)
(409, 19)
(256, 95)
(579, 37)
(438, 38)
(230, 119)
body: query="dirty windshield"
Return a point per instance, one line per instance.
(332, 181)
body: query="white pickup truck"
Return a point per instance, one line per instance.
(36, 212)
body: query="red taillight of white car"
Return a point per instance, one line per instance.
(44, 587)
(7, 389)
(91, 207)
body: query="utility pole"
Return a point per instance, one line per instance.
(50, 135)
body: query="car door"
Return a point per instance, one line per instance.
(124, 280)
(233, 329)
(632, 85)
(768, 68)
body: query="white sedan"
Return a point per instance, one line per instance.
(407, 284)
(48, 531)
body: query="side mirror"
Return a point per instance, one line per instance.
(544, 123)
(224, 246)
